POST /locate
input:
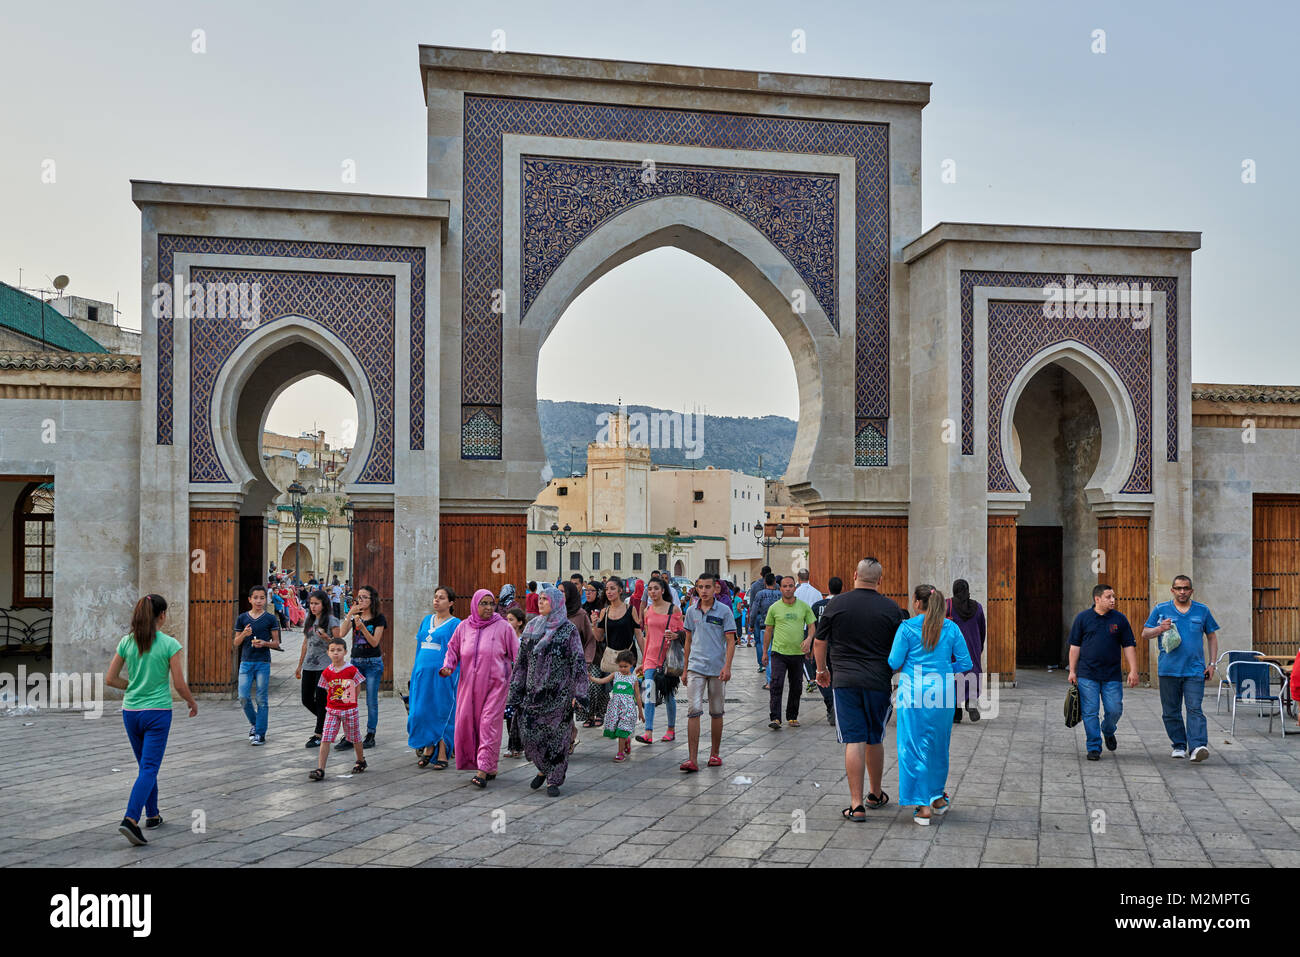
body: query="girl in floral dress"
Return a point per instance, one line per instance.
(624, 709)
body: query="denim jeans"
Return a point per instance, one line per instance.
(148, 733)
(1174, 693)
(1094, 694)
(255, 676)
(648, 702)
(373, 669)
(758, 644)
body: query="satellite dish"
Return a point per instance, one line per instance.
(60, 282)
(304, 458)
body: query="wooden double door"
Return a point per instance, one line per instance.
(1040, 582)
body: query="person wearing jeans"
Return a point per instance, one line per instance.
(257, 632)
(1097, 638)
(663, 624)
(1184, 666)
(255, 679)
(1093, 696)
(367, 627)
(765, 599)
(153, 663)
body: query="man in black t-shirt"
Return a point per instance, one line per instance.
(1097, 638)
(854, 636)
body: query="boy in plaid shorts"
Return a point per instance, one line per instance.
(340, 682)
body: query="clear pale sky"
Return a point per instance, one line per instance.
(1150, 134)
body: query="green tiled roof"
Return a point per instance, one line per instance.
(22, 313)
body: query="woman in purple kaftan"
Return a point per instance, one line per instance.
(967, 614)
(551, 675)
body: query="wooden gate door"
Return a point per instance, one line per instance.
(1039, 581)
(1275, 575)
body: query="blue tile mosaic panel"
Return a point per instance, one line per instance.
(414, 256)
(489, 118)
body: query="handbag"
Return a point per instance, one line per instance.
(609, 661)
(1073, 707)
(674, 656)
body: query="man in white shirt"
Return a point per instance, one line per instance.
(336, 598)
(805, 592)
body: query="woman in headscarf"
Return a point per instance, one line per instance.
(485, 647)
(969, 617)
(638, 594)
(431, 724)
(925, 647)
(550, 679)
(506, 598)
(598, 695)
(573, 608)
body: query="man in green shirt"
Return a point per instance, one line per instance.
(788, 632)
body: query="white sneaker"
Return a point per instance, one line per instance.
(1200, 754)
(1178, 753)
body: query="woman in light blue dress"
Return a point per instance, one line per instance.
(927, 649)
(431, 724)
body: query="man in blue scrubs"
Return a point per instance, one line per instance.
(1185, 668)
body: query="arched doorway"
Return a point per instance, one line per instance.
(297, 560)
(678, 568)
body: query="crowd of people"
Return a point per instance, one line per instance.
(611, 654)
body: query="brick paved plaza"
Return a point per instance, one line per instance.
(1023, 795)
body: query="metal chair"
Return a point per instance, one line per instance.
(1251, 680)
(1224, 682)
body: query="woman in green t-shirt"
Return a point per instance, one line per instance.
(150, 659)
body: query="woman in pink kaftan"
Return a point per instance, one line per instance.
(485, 647)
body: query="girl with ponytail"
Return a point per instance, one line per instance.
(151, 660)
(925, 648)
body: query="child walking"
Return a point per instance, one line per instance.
(624, 708)
(340, 682)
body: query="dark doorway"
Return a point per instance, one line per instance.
(1039, 583)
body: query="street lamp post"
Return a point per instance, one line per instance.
(347, 511)
(760, 536)
(560, 536)
(296, 492)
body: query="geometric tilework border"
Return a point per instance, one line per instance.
(359, 309)
(489, 118)
(1112, 347)
(564, 201)
(414, 256)
(1018, 331)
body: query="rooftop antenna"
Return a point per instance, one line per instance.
(60, 283)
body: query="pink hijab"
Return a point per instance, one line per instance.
(474, 619)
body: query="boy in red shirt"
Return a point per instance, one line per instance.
(340, 682)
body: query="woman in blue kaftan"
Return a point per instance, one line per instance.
(431, 724)
(927, 649)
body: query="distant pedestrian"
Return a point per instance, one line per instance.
(805, 591)
(530, 600)
(150, 658)
(789, 624)
(517, 618)
(1097, 637)
(767, 596)
(1184, 666)
(710, 646)
(336, 598)
(257, 632)
(367, 627)
(340, 681)
(755, 587)
(836, 585)
(968, 615)
(925, 647)
(315, 658)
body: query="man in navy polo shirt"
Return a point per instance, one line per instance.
(1096, 639)
(1184, 670)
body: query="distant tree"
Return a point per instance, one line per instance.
(668, 544)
